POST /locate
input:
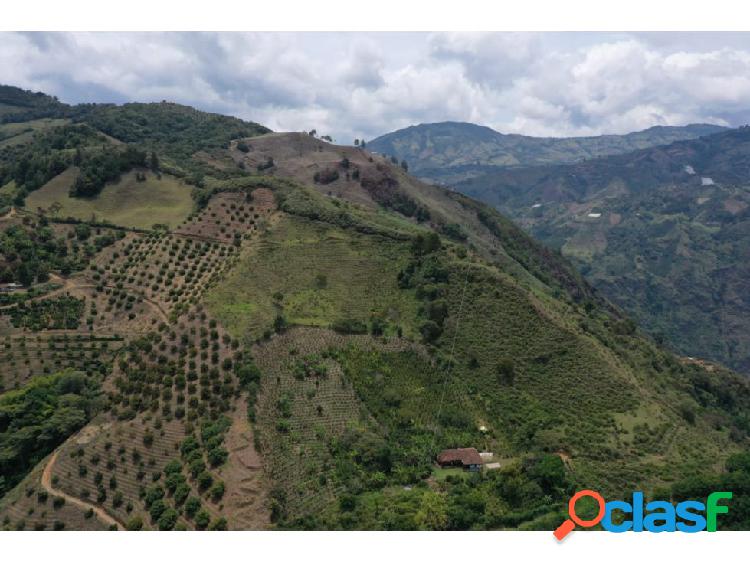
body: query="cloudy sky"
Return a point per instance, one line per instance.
(366, 84)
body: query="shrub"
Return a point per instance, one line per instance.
(349, 326)
(174, 466)
(157, 509)
(148, 439)
(217, 456)
(219, 524)
(217, 491)
(181, 493)
(269, 163)
(326, 176)
(506, 372)
(192, 505)
(430, 331)
(168, 520)
(202, 519)
(280, 324)
(205, 480)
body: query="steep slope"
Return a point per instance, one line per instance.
(298, 350)
(663, 232)
(448, 152)
(515, 340)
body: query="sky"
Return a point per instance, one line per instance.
(362, 85)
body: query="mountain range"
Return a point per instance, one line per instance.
(663, 232)
(209, 325)
(449, 152)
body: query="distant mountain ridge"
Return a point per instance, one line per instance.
(664, 232)
(17, 105)
(452, 151)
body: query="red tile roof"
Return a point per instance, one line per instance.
(464, 457)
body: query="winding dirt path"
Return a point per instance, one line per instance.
(72, 284)
(103, 516)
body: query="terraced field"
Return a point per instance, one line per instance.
(166, 269)
(24, 356)
(30, 507)
(230, 216)
(175, 426)
(305, 401)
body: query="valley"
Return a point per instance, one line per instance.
(661, 232)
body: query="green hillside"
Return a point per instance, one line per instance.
(296, 351)
(135, 201)
(18, 105)
(662, 232)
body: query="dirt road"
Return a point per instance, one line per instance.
(103, 516)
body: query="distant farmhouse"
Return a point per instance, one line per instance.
(10, 287)
(467, 459)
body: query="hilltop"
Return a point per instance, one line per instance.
(296, 349)
(662, 232)
(449, 152)
(18, 105)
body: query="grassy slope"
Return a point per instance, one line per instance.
(324, 274)
(125, 203)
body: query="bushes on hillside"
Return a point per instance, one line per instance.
(326, 176)
(63, 313)
(33, 164)
(267, 164)
(454, 231)
(38, 417)
(349, 326)
(29, 253)
(98, 169)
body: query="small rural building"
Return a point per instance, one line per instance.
(468, 458)
(10, 287)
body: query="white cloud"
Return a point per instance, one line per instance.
(362, 85)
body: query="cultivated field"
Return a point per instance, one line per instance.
(306, 402)
(229, 216)
(313, 275)
(175, 435)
